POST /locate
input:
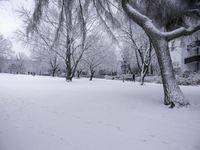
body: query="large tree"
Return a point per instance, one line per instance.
(71, 26)
(160, 39)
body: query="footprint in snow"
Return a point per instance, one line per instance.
(99, 122)
(151, 135)
(164, 142)
(143, 140)
(61, 140)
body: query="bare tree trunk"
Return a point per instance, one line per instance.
(54, 66)
(91, 74)
(68, 67)
(172, 91)
(146, 63)
(137, 60)
(53, 72)
(78, 76)
(79, 73)
(68, 73)
(143, 73)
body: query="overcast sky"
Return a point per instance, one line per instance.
(10, 20)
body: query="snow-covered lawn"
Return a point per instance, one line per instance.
(45, 113)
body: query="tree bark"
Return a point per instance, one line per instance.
(172, 91)
(53, 72)
(91, 75)
(143, 73)
(68, 73)
(79, 73)
(146, 63)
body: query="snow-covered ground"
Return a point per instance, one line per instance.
(45, 113)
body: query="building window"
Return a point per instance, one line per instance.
(173, 46)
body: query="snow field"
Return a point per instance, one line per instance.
(45, 113)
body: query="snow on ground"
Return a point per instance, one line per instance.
(45, 113)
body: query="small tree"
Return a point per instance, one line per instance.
(94, 56)
(139, 43)
(146, 63)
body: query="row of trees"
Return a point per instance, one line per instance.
(67, 29)
(68, 36)
(5, 51)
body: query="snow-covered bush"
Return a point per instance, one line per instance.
(183, 79)
(189, 79)
(108, 77)
(150, 79)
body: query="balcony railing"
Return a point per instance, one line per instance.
(192, 59)
(193, 45)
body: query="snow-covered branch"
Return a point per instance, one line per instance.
(147, 24)
(182, 31)
(194, 11)
(142, 20)
(134, 14)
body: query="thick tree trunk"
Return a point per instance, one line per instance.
(53, 72)
(79, 72)
(91, 75)
(68, 78)
(78, 75)
(68, 73)
(172, 91)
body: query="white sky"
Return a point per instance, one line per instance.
(10, 21)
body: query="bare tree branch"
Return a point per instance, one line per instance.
(182, 31)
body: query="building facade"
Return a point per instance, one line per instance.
(185, 53)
